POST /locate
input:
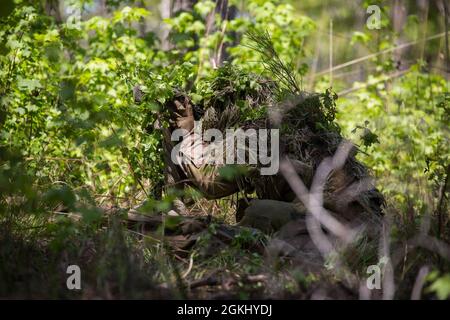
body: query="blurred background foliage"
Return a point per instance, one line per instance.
(72, 136)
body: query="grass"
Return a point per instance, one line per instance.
(117, 263)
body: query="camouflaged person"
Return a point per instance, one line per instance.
(194, 171)
(276, 203)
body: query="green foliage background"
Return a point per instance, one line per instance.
(71, 134)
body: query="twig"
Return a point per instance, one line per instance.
(389, 268)
(191, 263)
(365, 85)
(447, 53)
(208, 281)
(55, 159)
(373, 55)
(144, 235)
(331, 53)
(440, 211)
(420, 281)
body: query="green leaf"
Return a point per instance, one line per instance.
(361, 37)
(441, 287)
(29, 84)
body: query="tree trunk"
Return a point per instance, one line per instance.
(52, 9)
(398, 21)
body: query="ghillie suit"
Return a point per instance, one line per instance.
(308, 135)
(233, 99)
